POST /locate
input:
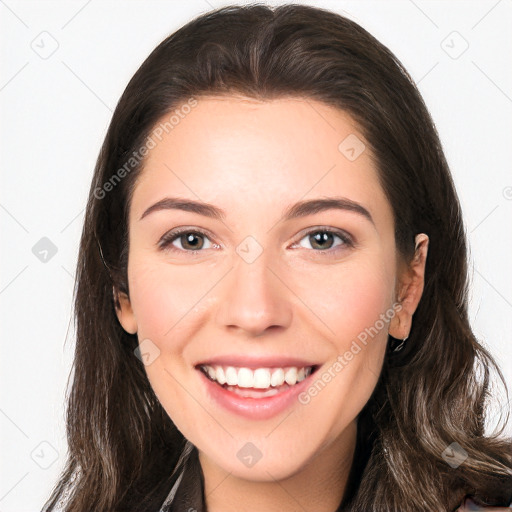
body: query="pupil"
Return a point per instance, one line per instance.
(189, 237)
(321, 237)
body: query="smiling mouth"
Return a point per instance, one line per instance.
(259, 382)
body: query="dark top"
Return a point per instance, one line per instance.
(187, 492)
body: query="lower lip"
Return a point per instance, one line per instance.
(254, 408)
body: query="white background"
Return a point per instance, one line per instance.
(54, 115)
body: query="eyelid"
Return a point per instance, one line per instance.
(165, 242)
(346, 237)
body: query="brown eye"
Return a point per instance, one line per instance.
(191, 241)
(324, 240)
(321, 240)
(184, 240)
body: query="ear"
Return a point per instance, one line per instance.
(124, 312)
(410, 289)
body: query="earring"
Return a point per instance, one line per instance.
(395, 345)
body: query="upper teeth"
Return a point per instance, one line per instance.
(259, 378)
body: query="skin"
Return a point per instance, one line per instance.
(252, 159)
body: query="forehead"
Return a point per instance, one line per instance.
(246, 154)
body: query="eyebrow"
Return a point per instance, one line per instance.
(300, 209)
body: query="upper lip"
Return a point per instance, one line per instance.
(253, 362)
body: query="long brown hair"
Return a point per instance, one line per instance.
(122, 444)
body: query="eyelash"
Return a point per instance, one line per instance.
(166, 241)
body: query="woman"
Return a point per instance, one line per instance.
(271, 296)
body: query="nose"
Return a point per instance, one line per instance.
(254, 299)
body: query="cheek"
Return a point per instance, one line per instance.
(355, 305)
(365, 300)
(165, 299)
(350, 298)
(166, 303)
(365, 296)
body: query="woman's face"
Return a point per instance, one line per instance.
(264, 284)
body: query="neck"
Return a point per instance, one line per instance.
(319, 485)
